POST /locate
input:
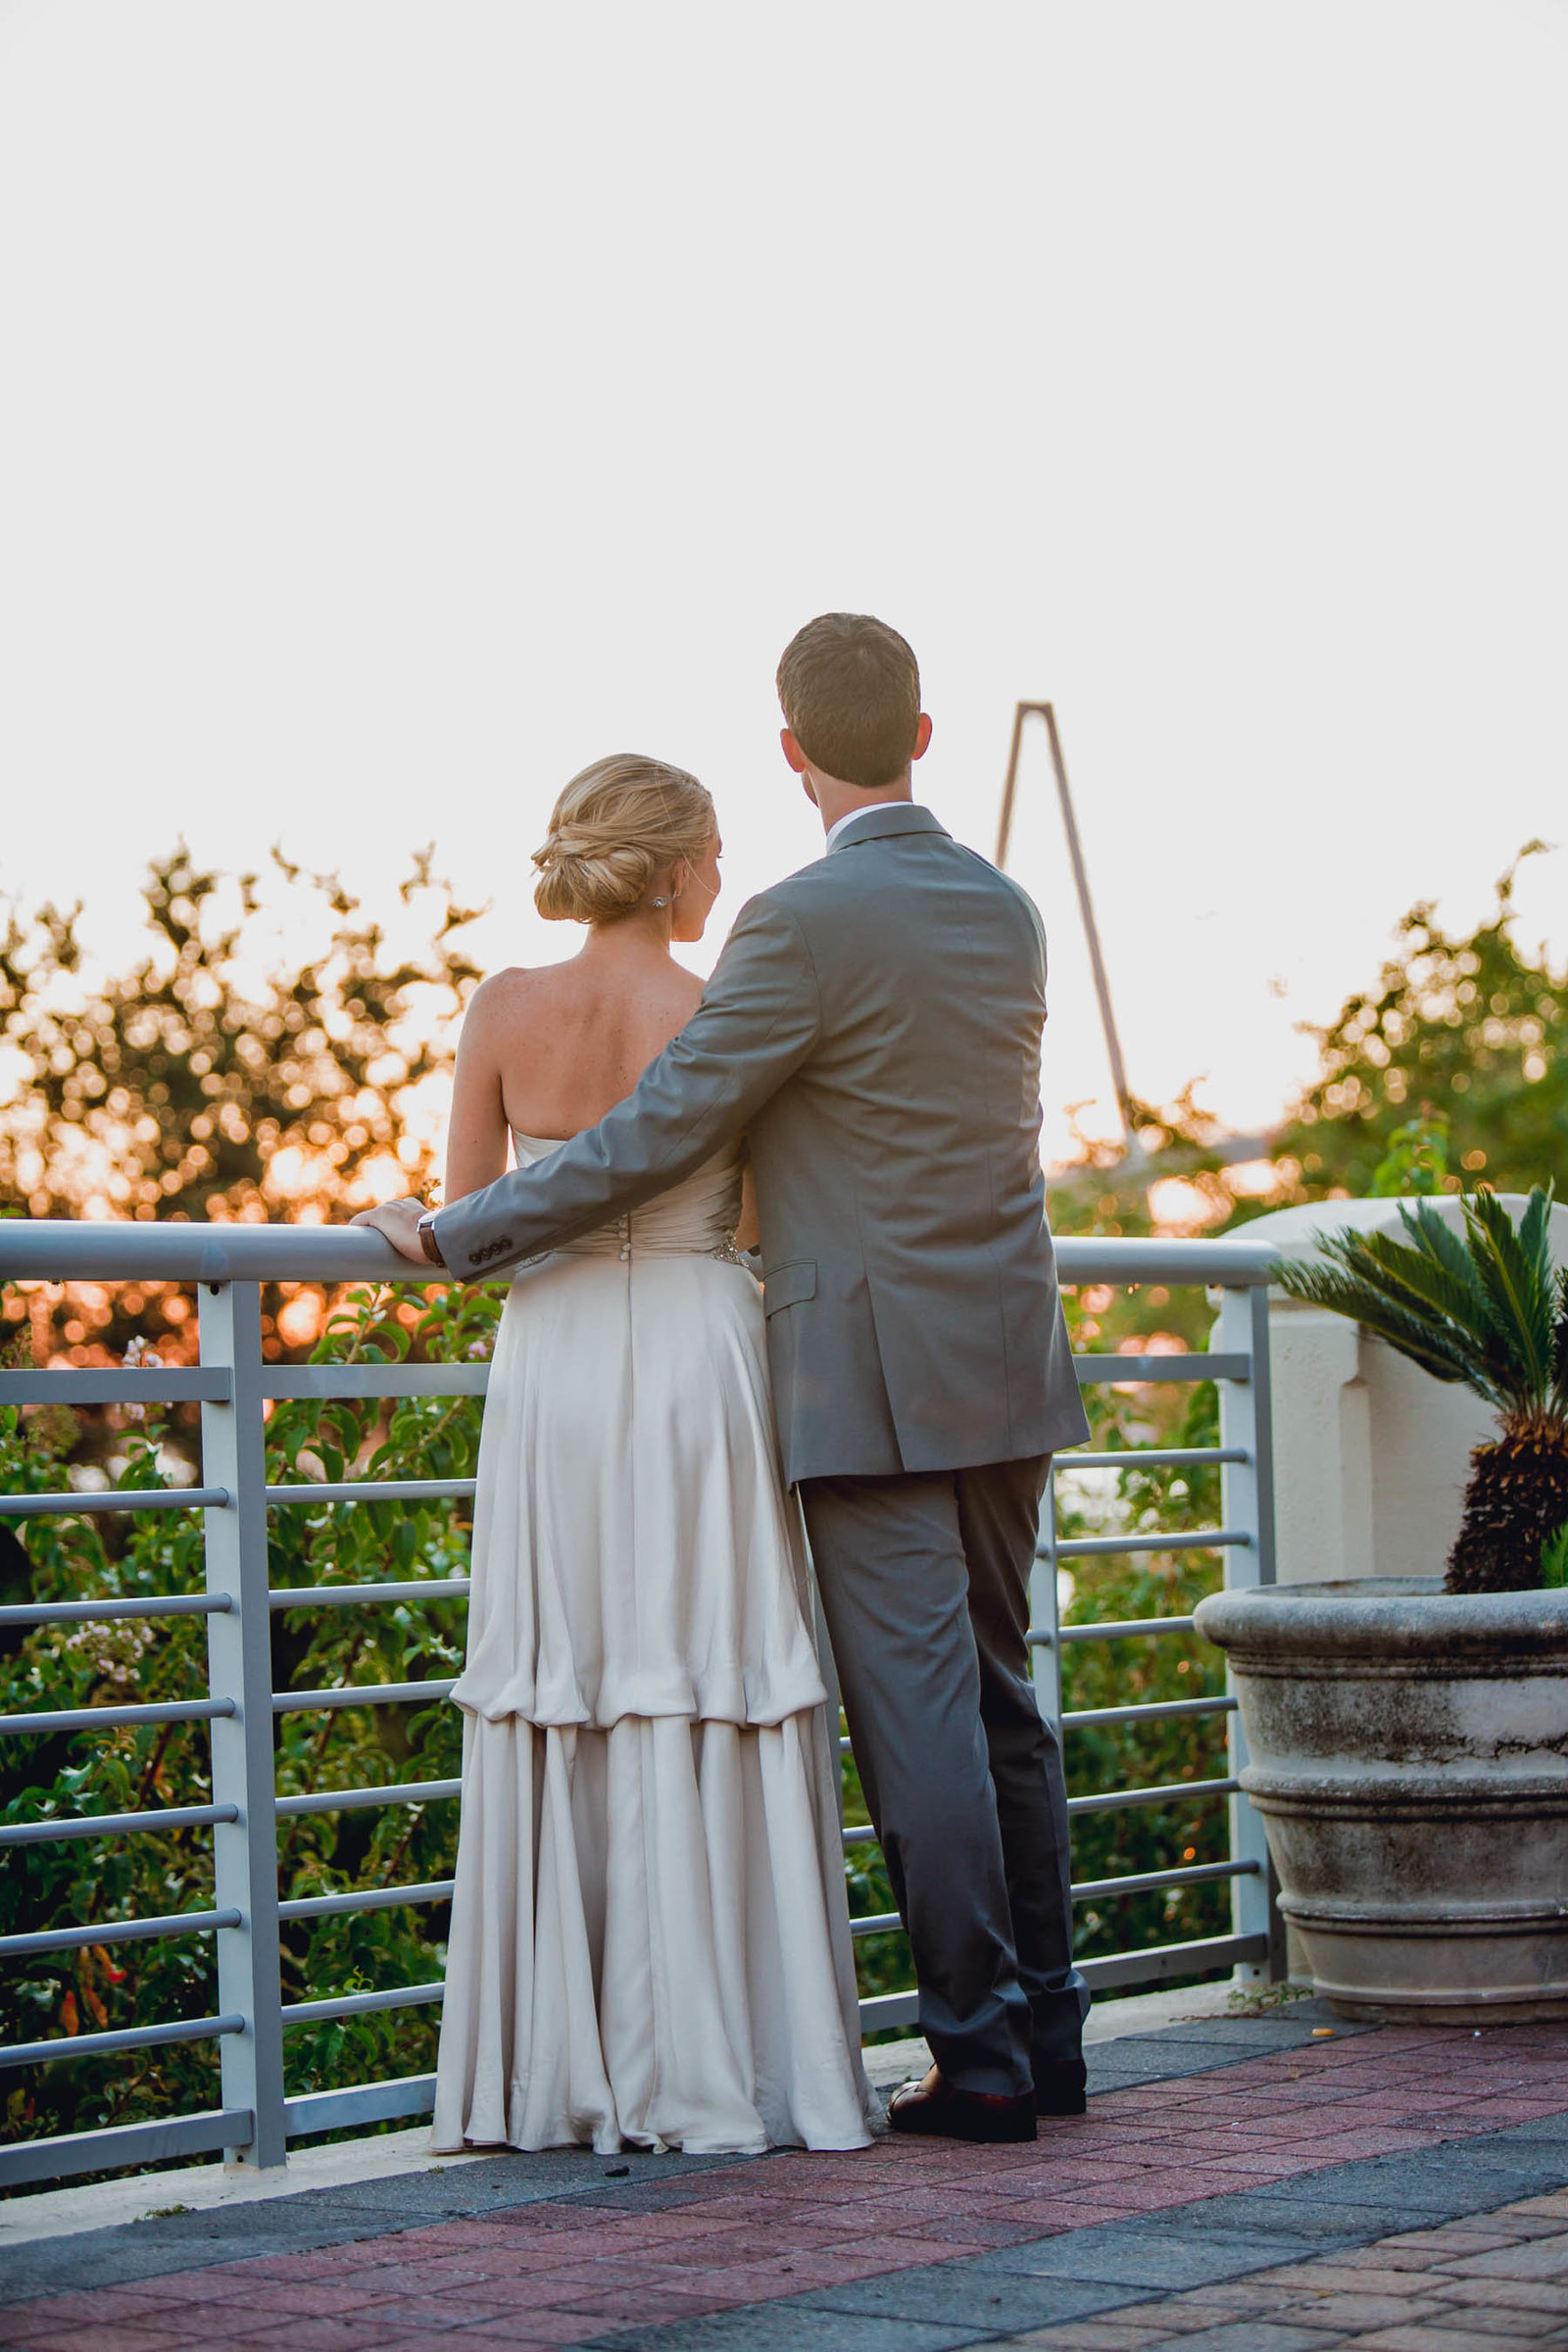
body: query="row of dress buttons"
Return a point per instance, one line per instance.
(623, 1227)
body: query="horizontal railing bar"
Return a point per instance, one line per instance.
(1171, 1793)
(115, 1825)
(121, 1250)
(1125, 1259)
(105, 1613)
(368, 1898)
(1092, 1370)
(357, 1694)
(109, 1385)
(289, 1383)
(92, 1719)
(359, 2103)
(109, 1719)
(1149, 1714)
(885, 2009)
(1161, 1961)
(154, 2142)
(1156, 1457)
(117, 1931)
(1143, 1880)
(1120, 1801)
(132, 2037)
(1112, 1630)
(303, 1490)
(358, 2004)
(876, 1923)
(349, 1801)
(92, 1503)
(115, 1250)
(342, 1597)
(1195, 1539)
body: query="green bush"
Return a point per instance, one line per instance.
(112, 1985)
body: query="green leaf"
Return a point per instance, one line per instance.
(1554, 1558)
(1520, 1300)
(1534, 1231)
(1415, 1279)
(1425, 1341)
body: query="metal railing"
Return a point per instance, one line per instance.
(232, 1386)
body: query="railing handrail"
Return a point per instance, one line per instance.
(120, 1249)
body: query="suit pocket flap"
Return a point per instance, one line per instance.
(789, 1286)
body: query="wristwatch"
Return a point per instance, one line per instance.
(428, 1241)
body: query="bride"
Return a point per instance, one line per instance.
(650, 1939)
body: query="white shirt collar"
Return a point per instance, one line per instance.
(834, 831)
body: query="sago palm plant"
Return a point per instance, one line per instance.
(1487, 1308)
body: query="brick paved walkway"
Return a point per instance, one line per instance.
(1495, 2278)
(1240, 2185)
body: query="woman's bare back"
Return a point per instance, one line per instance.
(549, 1052)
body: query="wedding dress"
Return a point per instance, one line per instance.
(649, 1937)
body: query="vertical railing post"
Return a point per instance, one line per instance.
(827, 1667)
(1045, 1612)
(1247, 1424)
(241, 1667)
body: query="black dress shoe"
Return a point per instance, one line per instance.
(1060, 2087)
(934, 2110)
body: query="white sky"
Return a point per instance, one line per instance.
(401, 406)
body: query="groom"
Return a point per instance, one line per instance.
(873, 1026)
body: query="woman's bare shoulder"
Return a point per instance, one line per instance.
(516, 984)
(565, 990)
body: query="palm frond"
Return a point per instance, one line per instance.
(1439, 1241)
(1412, 1277)
(1424, 1340)
(1484, 1306)
(1520, 1296)
(1534, 1231)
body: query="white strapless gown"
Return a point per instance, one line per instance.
(649, 1936)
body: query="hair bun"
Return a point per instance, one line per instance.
(584, 879)
(612, 828)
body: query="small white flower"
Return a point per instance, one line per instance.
(140, 1357)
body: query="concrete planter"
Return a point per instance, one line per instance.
(1409, 1757)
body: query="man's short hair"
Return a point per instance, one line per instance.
(851, 692)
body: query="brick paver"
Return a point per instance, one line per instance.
(1420, 2290)
(1077, 2242)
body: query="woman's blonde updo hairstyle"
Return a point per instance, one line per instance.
(614, 827)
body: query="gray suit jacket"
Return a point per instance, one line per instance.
(874, 1027)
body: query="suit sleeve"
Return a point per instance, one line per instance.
(758, 1020)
